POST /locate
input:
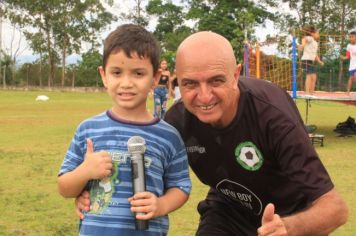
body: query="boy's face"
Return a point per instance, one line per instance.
(128, 82)
(353, 38)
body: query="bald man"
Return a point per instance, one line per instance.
(246, 140)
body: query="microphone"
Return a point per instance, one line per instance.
(136, 146)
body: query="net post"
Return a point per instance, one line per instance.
(246, 60)
(246, 49)
(258, 75)
(294, 67)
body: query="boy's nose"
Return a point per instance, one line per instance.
(126, 81)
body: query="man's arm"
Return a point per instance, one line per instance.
(325, 214)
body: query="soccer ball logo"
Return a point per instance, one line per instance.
(248, 156)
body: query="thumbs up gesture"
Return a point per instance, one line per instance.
(98, 165)
(272, 223)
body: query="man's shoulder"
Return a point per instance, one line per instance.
(259, 85)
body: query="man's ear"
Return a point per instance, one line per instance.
(102, 75)
(237, 72)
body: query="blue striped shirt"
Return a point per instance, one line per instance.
(166, 166)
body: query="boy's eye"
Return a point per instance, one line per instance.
(116, 72)
(139, 73)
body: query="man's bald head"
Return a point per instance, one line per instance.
(206, 44)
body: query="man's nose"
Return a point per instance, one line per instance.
(205, 94)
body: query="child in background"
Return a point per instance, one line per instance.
(351, 55)
(98, 159)
(161, 91)
(309, 47)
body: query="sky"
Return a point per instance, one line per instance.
(11, 37)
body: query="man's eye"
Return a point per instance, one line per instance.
(189, 84)
(217, 82)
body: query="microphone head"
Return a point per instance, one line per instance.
(136, 145)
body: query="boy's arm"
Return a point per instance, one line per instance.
(342, 57)
(173, 199)
(96, 165)
(148, 203)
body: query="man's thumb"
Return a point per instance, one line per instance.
(90, 146)
(268, 214)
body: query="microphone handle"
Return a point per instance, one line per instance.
(139, 185)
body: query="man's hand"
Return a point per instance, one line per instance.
(272, 224)
(145, 202)
(82, 204)
(98, 165)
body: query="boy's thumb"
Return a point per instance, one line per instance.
(268, 214)
(90, 146)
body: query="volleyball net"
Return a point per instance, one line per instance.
(279, 61)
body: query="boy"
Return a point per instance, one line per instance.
(351, 55)
(98, 157)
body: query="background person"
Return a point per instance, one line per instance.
(98, 158)
(351, 55)
(309, 46)
(161, 91)
(175, 92)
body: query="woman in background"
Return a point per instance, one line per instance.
(161, 91)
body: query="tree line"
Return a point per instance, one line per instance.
(55, 29)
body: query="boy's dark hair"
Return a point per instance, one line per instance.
(353, 32)
(132, 38)
(309, 29)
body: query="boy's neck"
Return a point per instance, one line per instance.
(132, 116)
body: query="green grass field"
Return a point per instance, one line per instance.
(34, 137)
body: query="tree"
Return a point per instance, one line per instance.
(334, 18)
(87, 73)
(63, 25)
(171, 29)
(137, 14)
(232, 19)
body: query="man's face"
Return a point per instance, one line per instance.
(208, 86)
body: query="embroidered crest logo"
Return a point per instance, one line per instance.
(248, 156)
